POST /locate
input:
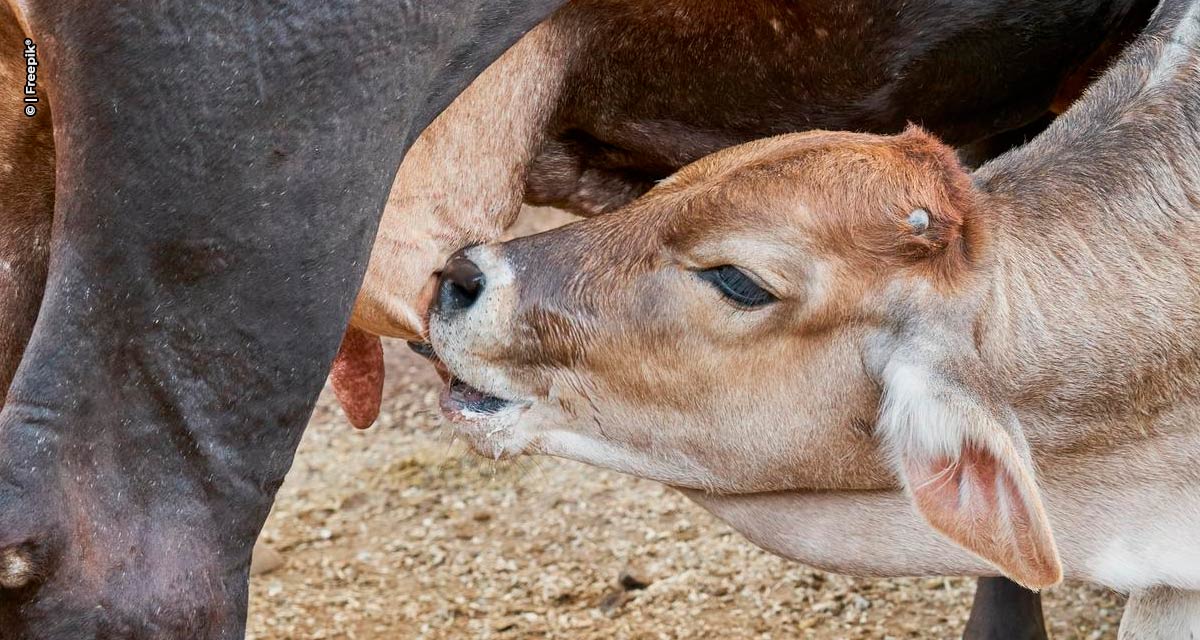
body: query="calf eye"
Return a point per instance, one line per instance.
(738, 287)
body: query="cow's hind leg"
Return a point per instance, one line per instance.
(1161, 613)
(1004, 610)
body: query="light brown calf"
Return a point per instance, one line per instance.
(868, 360)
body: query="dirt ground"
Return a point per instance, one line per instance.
(396, 533)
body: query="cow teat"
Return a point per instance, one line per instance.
(357, 376)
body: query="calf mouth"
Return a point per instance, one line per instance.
(485, 418)
(461, 400)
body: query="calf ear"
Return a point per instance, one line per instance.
(967, 470)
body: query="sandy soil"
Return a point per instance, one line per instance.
(395, 533)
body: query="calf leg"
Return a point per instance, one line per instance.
(1161, 613)
(1004, 610)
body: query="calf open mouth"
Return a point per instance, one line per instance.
(459, 398)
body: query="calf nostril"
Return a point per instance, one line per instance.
(461, 285)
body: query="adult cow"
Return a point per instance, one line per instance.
(207, 321)
(221, 167)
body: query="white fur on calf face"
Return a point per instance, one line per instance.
(464, 340)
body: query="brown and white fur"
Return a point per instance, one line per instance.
(593, 106)
(1013, 385)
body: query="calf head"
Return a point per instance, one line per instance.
(793, 313)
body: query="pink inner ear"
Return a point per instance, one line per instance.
(991, 508)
